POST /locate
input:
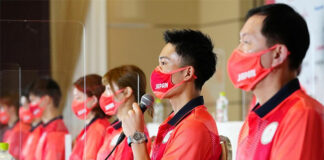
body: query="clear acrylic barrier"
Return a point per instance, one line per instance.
(35, 49)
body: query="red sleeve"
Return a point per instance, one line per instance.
(301, 136)
(192, 140)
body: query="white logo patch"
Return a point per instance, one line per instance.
(268, 133)
(36, 111)
(81, 111)
(114, 140)
(109, 106)
(245, 75)
(161, 85)
(167, 137)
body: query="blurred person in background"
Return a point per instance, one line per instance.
(45, 96)
(26, 115)
(85, 105)
(17, 133)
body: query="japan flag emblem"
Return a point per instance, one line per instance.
(269, 132)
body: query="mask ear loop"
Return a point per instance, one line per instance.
(178, 84)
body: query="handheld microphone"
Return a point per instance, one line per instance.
(147, 100)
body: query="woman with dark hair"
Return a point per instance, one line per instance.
(86, 94)
(124, 86)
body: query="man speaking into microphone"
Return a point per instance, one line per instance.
(186, 62)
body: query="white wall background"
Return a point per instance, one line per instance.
(312, 74)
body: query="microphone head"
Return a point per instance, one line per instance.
(147, 100)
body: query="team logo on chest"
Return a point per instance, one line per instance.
(268, 133)
(167, 137)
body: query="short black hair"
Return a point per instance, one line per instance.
(195, 49)
(46, 86)
(285, 26)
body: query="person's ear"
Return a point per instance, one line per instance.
(128, 91)
(189, 73)
(280, 54)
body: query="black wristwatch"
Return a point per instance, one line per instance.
(138, 137)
